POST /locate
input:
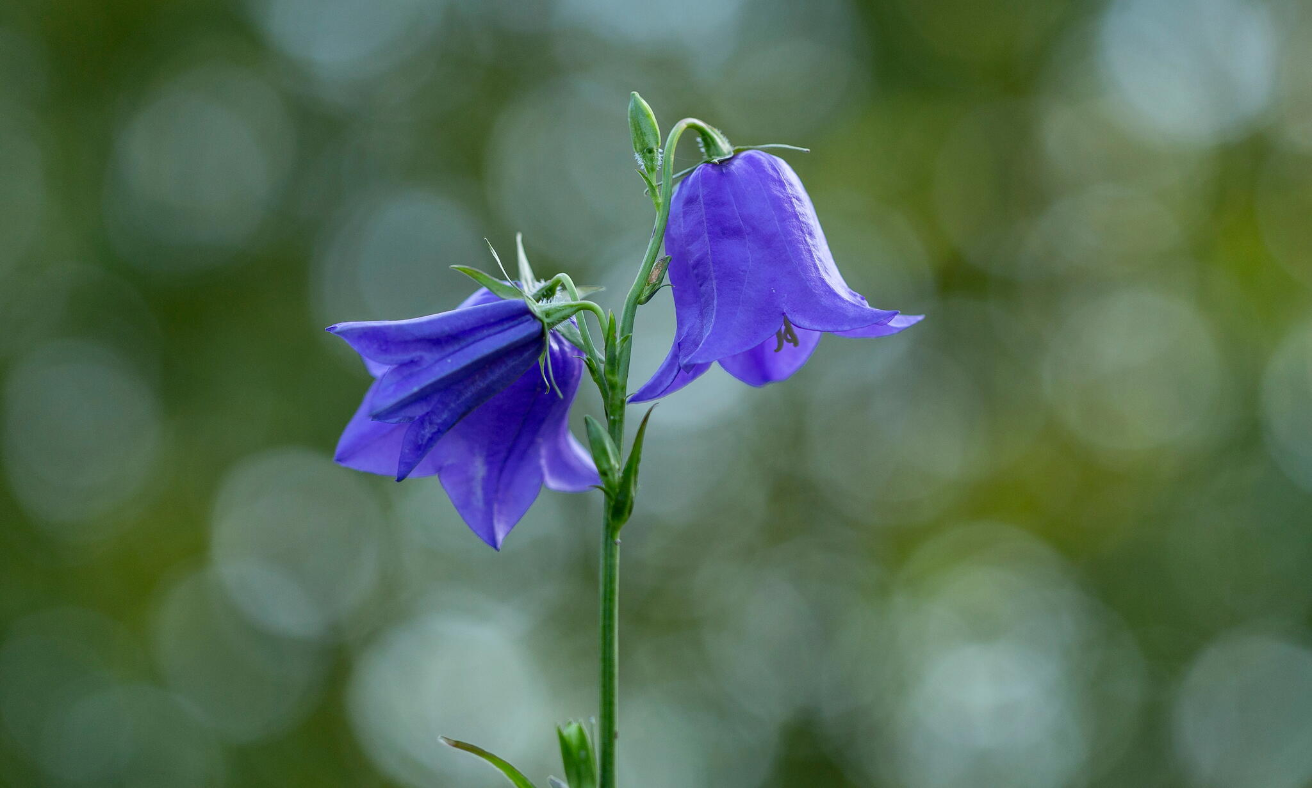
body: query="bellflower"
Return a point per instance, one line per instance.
(754, 282)
(459, 395)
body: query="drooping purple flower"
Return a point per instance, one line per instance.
(459, 395)
(754, 282)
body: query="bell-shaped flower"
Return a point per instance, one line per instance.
(460, 395)
(754, 282)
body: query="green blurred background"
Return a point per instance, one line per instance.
(1060, 534)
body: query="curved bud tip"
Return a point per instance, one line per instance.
(646, 133)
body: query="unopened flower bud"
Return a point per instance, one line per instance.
(646, 135)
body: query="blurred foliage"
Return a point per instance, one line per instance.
(1057, 535)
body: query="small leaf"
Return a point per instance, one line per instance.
(577, 755)
(628, 487)
(497, 286)
(604, 452)
(512, 774)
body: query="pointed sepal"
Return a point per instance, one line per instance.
(498, 287)
(526, 278)
(578, 756)
(770, 146)
(515, 776)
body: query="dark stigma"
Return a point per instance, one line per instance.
(785, 334)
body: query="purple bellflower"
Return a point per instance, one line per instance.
(459, 395)
(754, 282)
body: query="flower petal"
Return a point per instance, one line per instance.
(490, 463)
(764, 364)
(668, 378)
(888, 329)
(744, 234)
(398, 341)
(374, 446)
(566, 465)
(450, 405)
(411, 383)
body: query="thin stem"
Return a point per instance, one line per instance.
(616, 402)
(610, 648)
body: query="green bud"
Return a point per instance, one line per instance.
(577, 755)
(655, 280)
(646, 136)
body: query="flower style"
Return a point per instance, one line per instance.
(458, 395)
(754, 282)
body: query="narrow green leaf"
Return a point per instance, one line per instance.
(512, 774)
(628, 486)
(604, 452)
(497, 286)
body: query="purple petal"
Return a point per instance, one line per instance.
(744, 238)
(450, 405)
(764, 364)
(398, 341)
(490, 463)
(404, 390)
(892, 327)
(376, 369)
(374, 446)
(668, 378)
(566, 465)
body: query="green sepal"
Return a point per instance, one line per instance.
(715, 146)
(515, 776)
(526, 278)
(604, 452)
(578, 756)
(627, 492)
(770, 146)
(554, 313)
(497, 286)
(655, 279)
(572, 335)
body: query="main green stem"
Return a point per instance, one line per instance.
(618, 379)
